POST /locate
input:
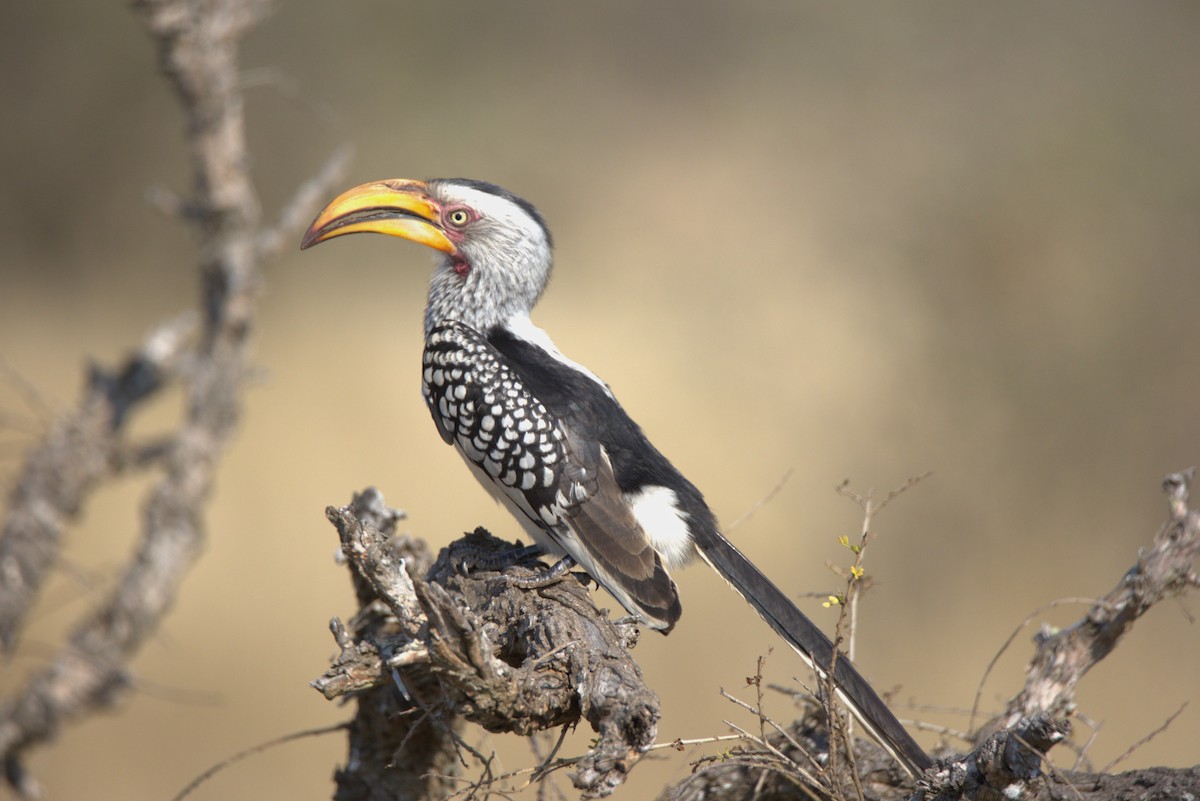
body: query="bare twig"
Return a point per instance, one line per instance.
(680, 743)
(870, 509)
(289, 87)
(1032, 616)
(35, 399)
(295, 215)
(763, 501)
(80, 451)
(545, 760)
(1163, 570)
(252, 751)
(847, 624)
(207, 352)
(1166, 724)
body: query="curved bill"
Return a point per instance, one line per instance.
(397, 207)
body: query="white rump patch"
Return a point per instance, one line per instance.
(657, 511)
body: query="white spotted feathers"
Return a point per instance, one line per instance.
(481, 407)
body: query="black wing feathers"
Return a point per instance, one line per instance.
(599, 417)
(596, 417)
(602, 436)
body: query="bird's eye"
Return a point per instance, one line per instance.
(458, 217)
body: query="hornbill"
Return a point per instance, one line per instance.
(547, 438)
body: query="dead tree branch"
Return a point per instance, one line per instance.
(435, 646)
(1009, 759)
(197, 46)
(1165, 569)
(440, 645)
(81, 449)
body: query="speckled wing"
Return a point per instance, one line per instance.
(561, 486)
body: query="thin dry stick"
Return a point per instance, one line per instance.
(841, 725)
(34, 397)
(770, 496)
(1050, 768)
(488, 780)
(758, 695)
(781, 762)
(1081, 752)
(958, 734)
(851, 607)
(1129, 751)
(1008, 642)
(781, 730)
(678, 744)
(761, 740)
(541, 770)
(295, 215)
(252, 751)
(870, 510)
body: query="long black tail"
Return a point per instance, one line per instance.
(814, 648)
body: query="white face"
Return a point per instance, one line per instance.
(502, 225)
(508, 256)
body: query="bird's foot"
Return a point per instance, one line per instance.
(543, 578)
(475, 560)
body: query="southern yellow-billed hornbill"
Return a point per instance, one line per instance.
(547, 438)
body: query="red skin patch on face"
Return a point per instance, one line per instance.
(455, 235)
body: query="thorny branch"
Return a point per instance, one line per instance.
(197, 47)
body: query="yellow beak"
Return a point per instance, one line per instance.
(397, 207)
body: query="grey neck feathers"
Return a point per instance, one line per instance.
(484, 298)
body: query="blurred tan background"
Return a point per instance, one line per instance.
(858, 243)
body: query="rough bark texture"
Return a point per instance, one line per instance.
(739, 782)
(454, 642)
(458, 642)
(400, 747)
